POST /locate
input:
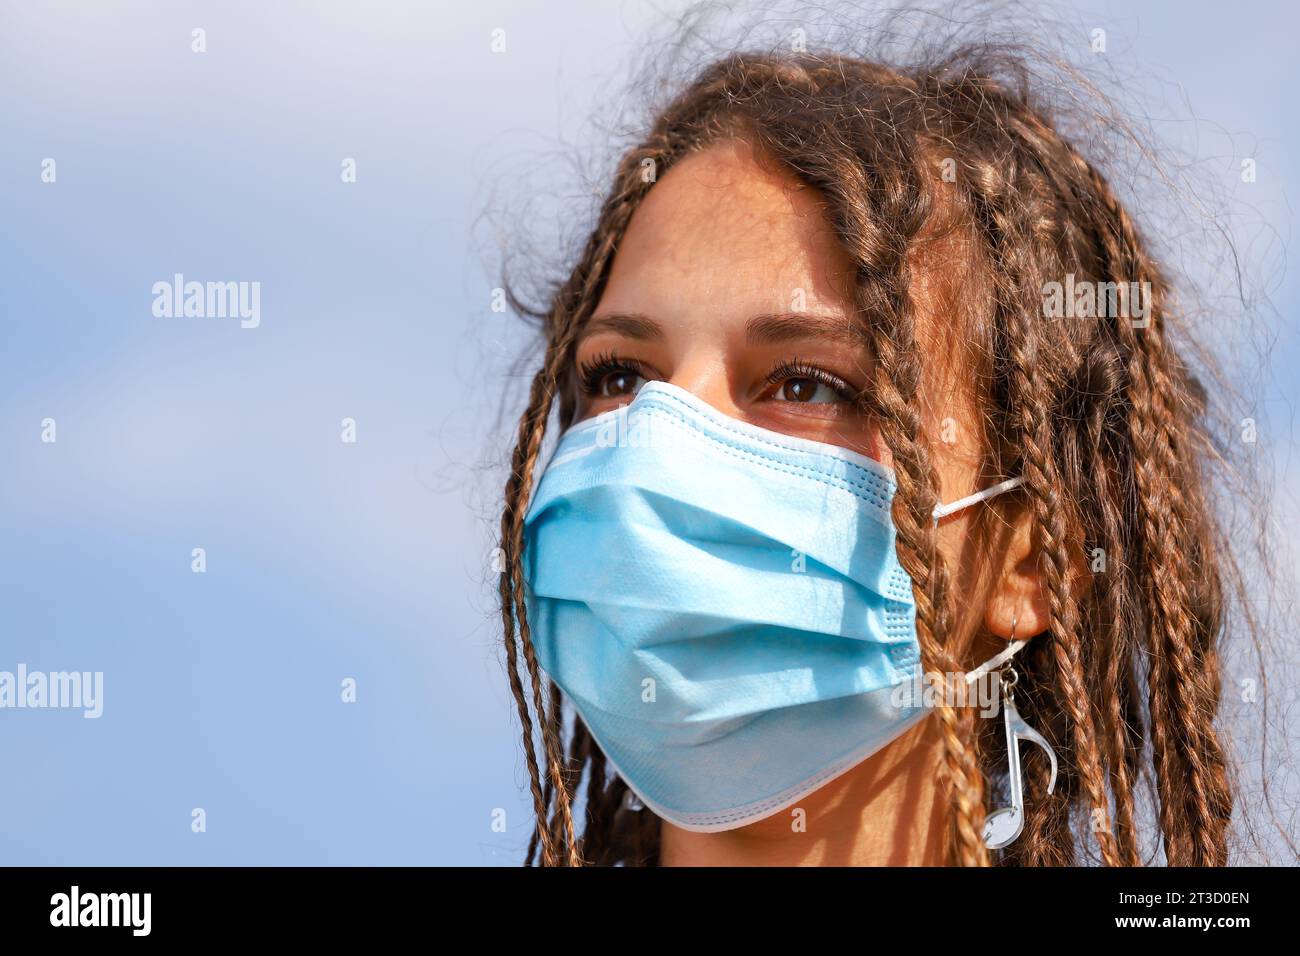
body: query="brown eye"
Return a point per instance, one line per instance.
(805, 391)
(620, 384)
(609, 376)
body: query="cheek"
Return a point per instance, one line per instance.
(952, 545)
(878, 450)
(875, 446)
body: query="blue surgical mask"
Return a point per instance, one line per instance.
(722, 604)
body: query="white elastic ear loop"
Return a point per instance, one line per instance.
(993, 663)
(944, 510)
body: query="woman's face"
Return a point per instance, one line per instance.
(730, 284)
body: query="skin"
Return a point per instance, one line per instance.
(727, 270)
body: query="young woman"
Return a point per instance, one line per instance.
(865, 374)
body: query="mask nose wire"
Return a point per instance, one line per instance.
(944, 510)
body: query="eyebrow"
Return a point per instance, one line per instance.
(777, 328)
(773, 328)
(632, 324)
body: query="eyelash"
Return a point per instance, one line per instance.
(594, 370)
(796, 368)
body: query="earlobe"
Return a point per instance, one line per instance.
(1018, 607)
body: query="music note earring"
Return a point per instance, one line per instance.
(1001, 827)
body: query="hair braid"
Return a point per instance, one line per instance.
(1080, 665)
(917, 545)
(897, 380)
(1183, 673)
(880, 240)
(511, 523)
(1088, 451)
(1112, 618)
(577, 295)
(1041, 481)
(1185, 666)
(1189, 631)
(527, 449)
(1010, 240)
(526, 452)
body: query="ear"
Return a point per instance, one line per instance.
(1018, 598)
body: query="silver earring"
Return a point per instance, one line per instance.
(1001, 827)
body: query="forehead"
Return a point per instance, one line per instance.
(722, 232)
